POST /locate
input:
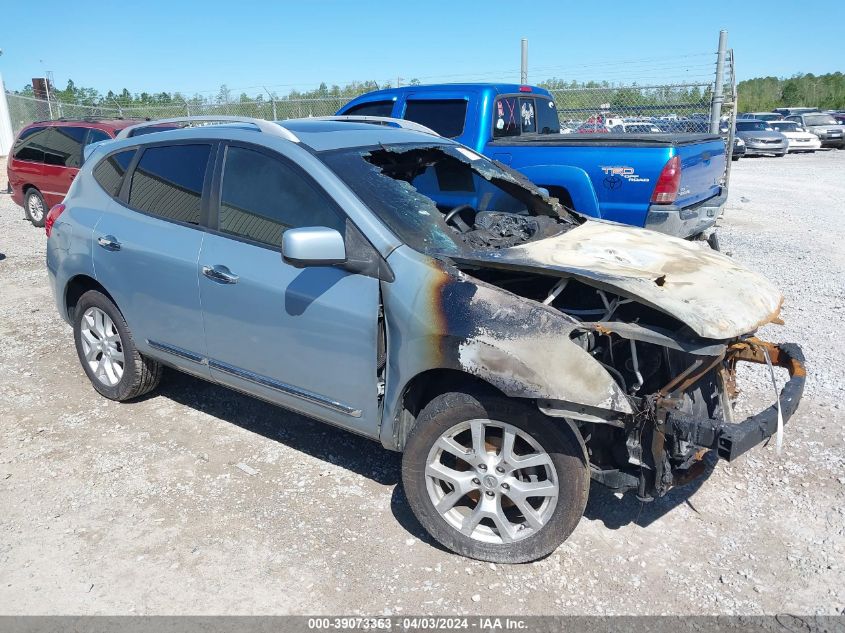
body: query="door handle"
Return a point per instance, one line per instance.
(109, 242)
(220, 274)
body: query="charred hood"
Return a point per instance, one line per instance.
(709, 292)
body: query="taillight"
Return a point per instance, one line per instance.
(666, 189)
(525, 88)
(54, 214)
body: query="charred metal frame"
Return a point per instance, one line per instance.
(732, 440)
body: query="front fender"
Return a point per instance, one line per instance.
(438, 317)
(575, 180)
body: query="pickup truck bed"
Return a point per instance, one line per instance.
(622, 170)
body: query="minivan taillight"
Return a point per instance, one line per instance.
(54, 214)
(666, 189)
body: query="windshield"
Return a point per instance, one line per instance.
(748, 126)
(819, 119)
(446, 199)
(784, 126)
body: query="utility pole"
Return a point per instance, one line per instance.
(523, 71)
(719, 88)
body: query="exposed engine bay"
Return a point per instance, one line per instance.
(681, 387)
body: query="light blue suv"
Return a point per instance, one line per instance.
(369, 273)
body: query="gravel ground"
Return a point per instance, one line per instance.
(146, 507)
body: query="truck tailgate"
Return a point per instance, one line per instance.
(702, 169)
(624, 168)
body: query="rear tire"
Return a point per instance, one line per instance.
(511, 528)
(107, 350)
(34, 207)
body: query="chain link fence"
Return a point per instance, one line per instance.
(643, 109)
(583, 108)
(24, 110)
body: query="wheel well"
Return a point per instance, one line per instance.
(561, 193)
(77, 287)
(426, 386)
(27, 187)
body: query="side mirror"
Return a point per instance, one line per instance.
(313, 246)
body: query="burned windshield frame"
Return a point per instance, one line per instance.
(416, 218)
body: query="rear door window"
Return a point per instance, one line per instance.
(109, 173)
(67, 143)
(444, 116)
(373, 108)
(263, 196)
(168, 181)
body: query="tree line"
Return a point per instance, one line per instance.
(762, 94)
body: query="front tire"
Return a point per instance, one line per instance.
(107, 350)
(34, 207)
(494, 479)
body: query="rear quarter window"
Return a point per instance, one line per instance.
(29, 146)
(110, 171)
(444, 116)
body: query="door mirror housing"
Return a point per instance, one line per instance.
(313, 246)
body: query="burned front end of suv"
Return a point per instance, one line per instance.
(630, 338)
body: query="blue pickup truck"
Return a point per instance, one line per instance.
(667, 182)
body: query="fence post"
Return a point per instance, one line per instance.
(732, 122)
(6, 135)
(187, 109)
(719, 88)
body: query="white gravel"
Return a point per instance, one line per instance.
(199, 500)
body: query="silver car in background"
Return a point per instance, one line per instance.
(760, 138)
(823, 125)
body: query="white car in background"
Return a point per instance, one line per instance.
(635, 127)
(799, 139)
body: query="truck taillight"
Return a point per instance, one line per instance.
(666, 189)
(54, 214)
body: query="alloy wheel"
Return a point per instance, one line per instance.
(491, 481)
(102, 347)
(35, 206)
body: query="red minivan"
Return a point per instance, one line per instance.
(46, 157)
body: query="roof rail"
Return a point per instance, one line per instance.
(379, 120)
(268, 127)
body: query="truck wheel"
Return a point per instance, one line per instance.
(493, 479)
(34, 207)
(107, 351)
